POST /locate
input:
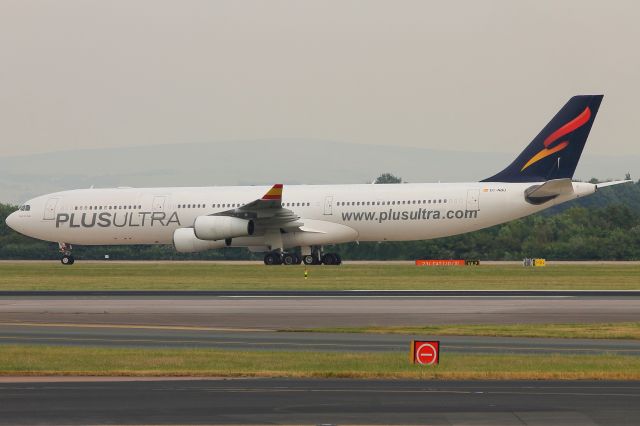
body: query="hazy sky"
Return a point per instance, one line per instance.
(462, 75)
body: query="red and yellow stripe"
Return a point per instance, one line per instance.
(275, 193)
(572, 125)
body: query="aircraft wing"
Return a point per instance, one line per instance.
(266, 212)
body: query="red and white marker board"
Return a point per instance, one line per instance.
(425, 352)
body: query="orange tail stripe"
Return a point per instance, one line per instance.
(545, 153)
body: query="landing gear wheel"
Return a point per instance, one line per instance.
(273, 258)
(331, 259)
(67, 260)
(309, 260)
(290, 259)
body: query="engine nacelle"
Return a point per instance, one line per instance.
(213, 228)
(185, 241)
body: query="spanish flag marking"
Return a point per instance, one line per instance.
(275, 193)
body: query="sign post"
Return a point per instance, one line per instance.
(425, 352)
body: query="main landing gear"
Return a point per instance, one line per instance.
(278, 258)
(314, 256)
(325, 259)
(67, 258)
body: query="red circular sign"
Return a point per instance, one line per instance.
(426, 353)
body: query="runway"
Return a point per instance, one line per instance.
(291, 401)
(245, 340)
(275, 311)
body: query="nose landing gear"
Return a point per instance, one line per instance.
(67, 258)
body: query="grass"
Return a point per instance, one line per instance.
(211, 276)
(62, 360)
(622, 330)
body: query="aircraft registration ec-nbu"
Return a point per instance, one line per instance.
(278, 219)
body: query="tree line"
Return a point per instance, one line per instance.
(603, 226)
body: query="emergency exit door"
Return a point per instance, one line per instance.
(158, 203)
(328, 205)
(473, 199)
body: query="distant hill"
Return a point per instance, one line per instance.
(261, 162)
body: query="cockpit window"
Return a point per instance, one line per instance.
(24, 208)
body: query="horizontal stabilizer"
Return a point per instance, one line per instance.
(615, 182)
(549, 190)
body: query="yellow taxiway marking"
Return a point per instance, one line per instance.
(132, 326)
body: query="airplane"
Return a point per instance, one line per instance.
(278, 219)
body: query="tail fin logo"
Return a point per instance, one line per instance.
(572, 125)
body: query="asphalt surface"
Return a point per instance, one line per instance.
(274, 311)
(246, 340)
(290, 401)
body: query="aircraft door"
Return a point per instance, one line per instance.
(158, 203)
(328, 205)
(50, 209)
(473, 199)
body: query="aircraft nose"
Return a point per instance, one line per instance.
(12, 220)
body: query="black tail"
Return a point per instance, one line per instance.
(555, 152)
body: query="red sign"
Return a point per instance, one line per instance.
(425, 352)
(438, 262)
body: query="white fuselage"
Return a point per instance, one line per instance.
(332, 213)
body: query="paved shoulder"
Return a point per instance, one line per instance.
(251, 401)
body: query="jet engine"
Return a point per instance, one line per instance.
(222, 227)
(185, 241)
